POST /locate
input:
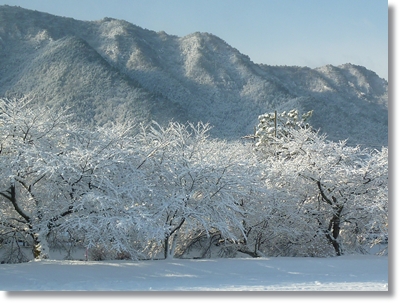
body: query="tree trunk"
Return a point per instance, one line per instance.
(335, 244)
(169, 250)
(166, 246)
(40, 248)
(334, 231)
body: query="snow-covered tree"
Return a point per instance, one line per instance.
(59, 178)
(198, 183)
(276, 125)
(29, 140)
(102, 182)
(372, 228)
(332, 188)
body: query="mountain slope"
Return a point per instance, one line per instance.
(110, 69)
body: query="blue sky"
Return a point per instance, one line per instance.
(274, 32)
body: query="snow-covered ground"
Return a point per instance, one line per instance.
(345, 273)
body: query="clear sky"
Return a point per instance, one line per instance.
(275, 32)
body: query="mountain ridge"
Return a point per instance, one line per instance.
(111, 69)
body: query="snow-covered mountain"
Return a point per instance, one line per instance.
(111, 69)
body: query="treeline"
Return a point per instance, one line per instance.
(140, 191)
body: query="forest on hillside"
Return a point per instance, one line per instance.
(111, 70)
